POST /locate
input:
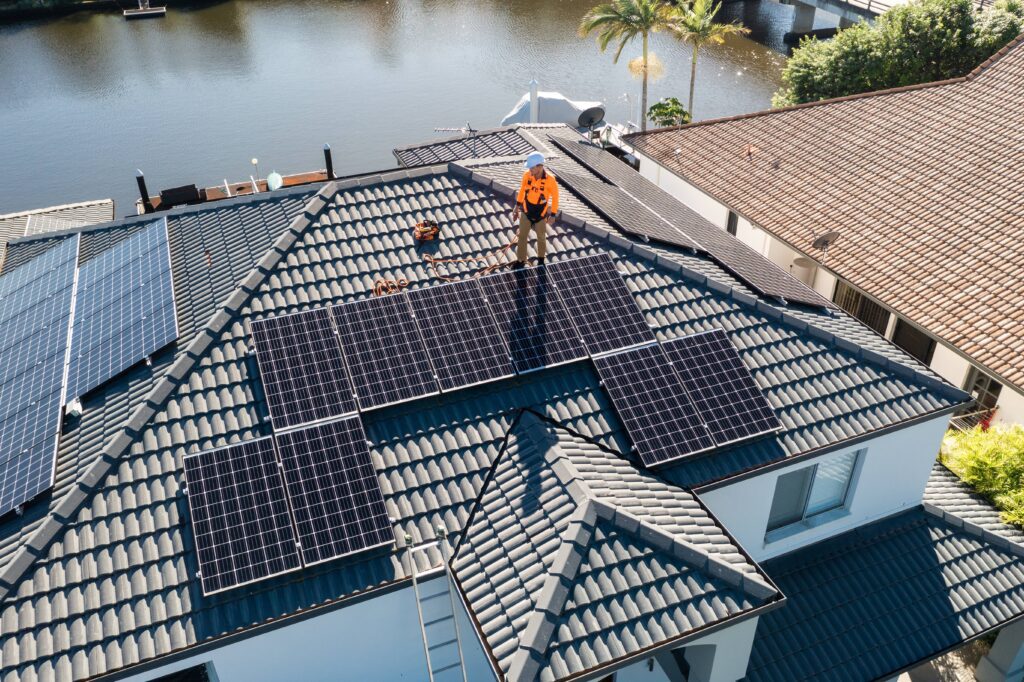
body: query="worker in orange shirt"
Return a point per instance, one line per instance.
(536, 207)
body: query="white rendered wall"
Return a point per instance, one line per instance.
(890, 477)
(1011, 406)
(688, 194)
(950, 365)
(375, 639)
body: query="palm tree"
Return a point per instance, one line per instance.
(623, 20)
(694, 23)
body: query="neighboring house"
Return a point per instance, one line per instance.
(14, 225)
(922, 186)
(833, 548)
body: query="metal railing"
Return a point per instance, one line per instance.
(968, 420)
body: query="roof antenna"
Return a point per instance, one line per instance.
(465, 130)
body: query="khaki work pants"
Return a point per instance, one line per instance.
(540, 227)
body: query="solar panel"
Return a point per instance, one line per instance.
(385, 353)
(599, 303)
(33, 347)
(650, 399)
(333, 489)
(465, 345)
(721, 387)
(240, 518)
(532, 317)
(124, 309)
(303, 372)
(734, 255)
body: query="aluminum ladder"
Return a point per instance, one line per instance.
(435, 604)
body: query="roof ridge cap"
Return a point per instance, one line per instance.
(92, 478)
(59, 207)
(536, 635)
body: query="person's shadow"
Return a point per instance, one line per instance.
(530, 317)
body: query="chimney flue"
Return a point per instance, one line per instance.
(534, 103)
(143, 192)
(329, 162)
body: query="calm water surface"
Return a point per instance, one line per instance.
(88, 98)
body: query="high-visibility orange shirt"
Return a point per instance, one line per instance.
(541, 192)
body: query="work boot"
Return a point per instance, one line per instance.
(540, 261)
(518, 264)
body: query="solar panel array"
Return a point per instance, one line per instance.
(240, 517)
(744, 262)
(124, 309)
(530, 314)
(268, 506)
(333, 488)
(721, 387)
(304, 373)
(600, 305)
(35, 311)
(465, 344)
(685, 397)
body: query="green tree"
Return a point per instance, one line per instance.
(694, 23)
(992, 462)
(622, 21)
(919, 42)
(668, 112)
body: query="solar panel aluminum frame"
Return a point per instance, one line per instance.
(734, 441)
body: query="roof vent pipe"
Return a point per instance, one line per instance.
(534, 103)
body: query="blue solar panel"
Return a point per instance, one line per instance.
(124, 309)
(302, 369)
(599, 303)
(649, 396)
(33, 347)
(465, 345)
(725, 393)
(240, 517)
(532, 317)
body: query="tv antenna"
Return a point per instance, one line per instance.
(467, 130)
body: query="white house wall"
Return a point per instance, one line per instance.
(1011, 406)
(375, 639)
(890, 477)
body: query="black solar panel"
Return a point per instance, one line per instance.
(333, 489)
(465, 345)
(744, 262)
(650, 399)
(124, 309)
(240, 518)
(721, 387)
(302, 368)
(532, 317)
(599, 303)
(33, 347)
(386, 356)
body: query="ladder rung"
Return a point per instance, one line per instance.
(441, 644)
(456, 664)
(428, 623)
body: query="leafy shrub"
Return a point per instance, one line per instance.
(991, 462)
(668, 111)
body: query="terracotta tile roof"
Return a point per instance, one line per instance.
(923, 185)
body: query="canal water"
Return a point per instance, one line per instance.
(88, 98)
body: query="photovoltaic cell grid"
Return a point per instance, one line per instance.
(531, 316)
(334, 492)
(302, 368)
(747, 264)
(599, 303)
(465, 345)
(650, 399)
(124, 309)
(36, 300)
(387, 358)
(721, 387)
(240, 517)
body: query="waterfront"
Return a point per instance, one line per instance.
(193, 97)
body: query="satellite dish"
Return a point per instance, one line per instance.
(591, 117)
(274, 181)
(826, 240)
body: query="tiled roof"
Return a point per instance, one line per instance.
(922, 184)
(101, 575)
(886, 596)
(55, 218)
(575, 559)
(477, 145)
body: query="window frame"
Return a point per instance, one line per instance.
(929, 354)
(825, 515)
(974, 375)
(862, 307)
(732, 223)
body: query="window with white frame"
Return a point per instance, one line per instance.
(811, 491)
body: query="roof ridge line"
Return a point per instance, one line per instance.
(533, 643)
(966, 78)
(92, 478)
(59, 207)
(972, 528)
